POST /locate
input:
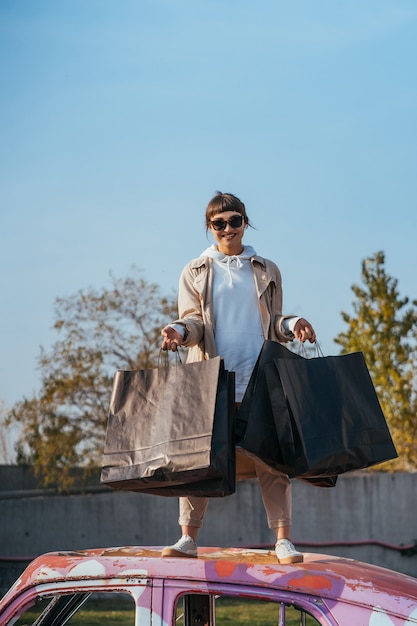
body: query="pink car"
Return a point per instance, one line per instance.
(152, 591)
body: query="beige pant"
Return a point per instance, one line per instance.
(275, 489)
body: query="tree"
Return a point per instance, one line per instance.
(6, 435)
(99, 332)
(384, 329)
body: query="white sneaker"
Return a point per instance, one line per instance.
(286, 552)
(185, 546)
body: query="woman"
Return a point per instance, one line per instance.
(229, 302)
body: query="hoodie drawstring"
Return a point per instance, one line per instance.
(229, 260)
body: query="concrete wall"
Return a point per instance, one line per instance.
(368, 516)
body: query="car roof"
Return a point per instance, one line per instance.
(328, 577)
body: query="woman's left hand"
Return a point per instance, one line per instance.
(303, 330)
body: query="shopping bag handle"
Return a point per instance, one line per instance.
(317, 351)
(163, 358)
(318, 348)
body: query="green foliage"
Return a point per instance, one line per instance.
(99, 332)
(384, 328)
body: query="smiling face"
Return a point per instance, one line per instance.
(229, 238)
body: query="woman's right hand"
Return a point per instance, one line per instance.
(171, 338)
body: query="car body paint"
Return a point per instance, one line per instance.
(338, 590)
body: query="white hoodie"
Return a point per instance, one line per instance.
(237, 321)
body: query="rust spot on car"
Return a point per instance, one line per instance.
(310, 582)
(225, 568)
(269, 571)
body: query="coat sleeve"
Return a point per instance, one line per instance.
(277, 317)
(189, 308)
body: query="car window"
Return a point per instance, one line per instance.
(225, 610)
(81, 609)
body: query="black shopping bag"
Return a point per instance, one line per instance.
(256, 430)
(336, 420)
(171, 431)
(263, 426)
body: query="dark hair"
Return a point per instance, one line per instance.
(225, 202)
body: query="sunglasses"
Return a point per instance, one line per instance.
(235, 222)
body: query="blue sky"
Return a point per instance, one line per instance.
(120, 119)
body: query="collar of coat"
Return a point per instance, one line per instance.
(205, 261)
